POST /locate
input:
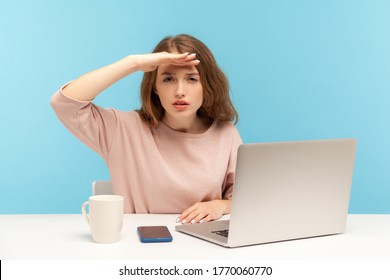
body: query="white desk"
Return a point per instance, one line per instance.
(68, 237)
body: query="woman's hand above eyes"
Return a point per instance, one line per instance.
(150, 62)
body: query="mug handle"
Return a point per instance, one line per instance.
(84, 211)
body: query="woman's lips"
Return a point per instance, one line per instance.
(180, 104)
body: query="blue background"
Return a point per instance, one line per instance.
(297, 69)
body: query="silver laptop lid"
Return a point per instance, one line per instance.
(291, 190)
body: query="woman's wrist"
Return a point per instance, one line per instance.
(130, 64)
(227, 206)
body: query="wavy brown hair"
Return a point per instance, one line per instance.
(216, 106)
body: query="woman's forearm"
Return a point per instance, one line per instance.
(89, 85)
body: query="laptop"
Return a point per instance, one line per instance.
(285, 191)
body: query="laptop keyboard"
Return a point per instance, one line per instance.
(224, 232)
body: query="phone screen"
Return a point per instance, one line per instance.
(149, 234)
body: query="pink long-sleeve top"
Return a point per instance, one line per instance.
(156, 170)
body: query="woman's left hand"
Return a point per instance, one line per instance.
(205, 211)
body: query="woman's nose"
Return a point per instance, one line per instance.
(180, 90)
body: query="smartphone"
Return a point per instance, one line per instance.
(150, 234)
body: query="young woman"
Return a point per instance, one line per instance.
(177, 154)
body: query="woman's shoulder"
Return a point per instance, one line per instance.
(130, 118)
(127, 115)
(226, 126)
(226, 129)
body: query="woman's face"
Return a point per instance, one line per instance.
(180, 92)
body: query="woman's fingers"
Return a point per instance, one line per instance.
(150, 62)
(184, 59)
(201, 212)
(181, 59)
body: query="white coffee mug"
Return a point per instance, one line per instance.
(105, 217)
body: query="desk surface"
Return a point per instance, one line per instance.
(68, 237)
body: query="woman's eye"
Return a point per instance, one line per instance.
(167, 79)
(193, 79)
